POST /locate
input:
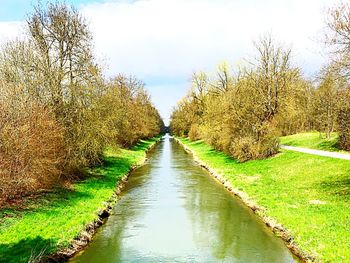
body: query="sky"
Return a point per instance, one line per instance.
(163, 42)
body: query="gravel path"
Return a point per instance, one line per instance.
(344, 156)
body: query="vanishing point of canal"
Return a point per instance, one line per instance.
(172, 210)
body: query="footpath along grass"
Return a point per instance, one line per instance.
(312, 140)
(307, 194)
(50, 222)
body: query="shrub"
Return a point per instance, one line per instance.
(31, 150)
(84, 140)
(344, 128)
(243, 149)
(246, 148)
(261, 143)
(194, 132)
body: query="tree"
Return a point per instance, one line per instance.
(132, 117)
(272, 76)
(327, 103)
(337, 37)
(69, 78)
(57, 112)
(240, 114)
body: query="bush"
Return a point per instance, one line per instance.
(344, 128)
(194, 132)
(263, 145)
(243, 149)
(246, 148)
(84, 140)
(31, 150)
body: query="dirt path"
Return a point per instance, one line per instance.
(344, 156)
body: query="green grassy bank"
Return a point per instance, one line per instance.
(309, 195)
(312, 140)
(49, 223)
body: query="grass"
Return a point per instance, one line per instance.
(312, 140)
(307, 194)
(48, 223)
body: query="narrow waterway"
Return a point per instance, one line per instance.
(173, 211)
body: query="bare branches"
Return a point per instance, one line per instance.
(239, 114)
(337, 37)
(273, 74)
(57, 112)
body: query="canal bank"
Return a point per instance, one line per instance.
(85, 236)
(61, 222)
(276, 228)
(171, 210)
(307, 194)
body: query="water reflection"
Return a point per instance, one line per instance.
(172, 211)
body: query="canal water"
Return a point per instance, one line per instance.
(172, 210)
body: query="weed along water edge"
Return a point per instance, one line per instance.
(172, 210)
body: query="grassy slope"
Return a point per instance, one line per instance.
(285, 184)
(51, 221)
(312, 140)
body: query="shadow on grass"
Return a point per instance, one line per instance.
(330, 145)
(144, 145)
(194, 143)
(110, 167)
(43, 203)
(340, 187)
(212, 153)
(26, 250)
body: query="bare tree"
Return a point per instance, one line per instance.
(327, 102)
(63, 42)
(272, 76)
(337, 37)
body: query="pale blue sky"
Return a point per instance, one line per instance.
(17, 9)
(164, 41)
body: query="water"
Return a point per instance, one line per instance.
(173, 211)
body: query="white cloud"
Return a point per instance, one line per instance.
(175, 37)
(172, 38)
(10, 30)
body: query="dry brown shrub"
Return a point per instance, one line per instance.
(264, 145)
(243, 149)
(246, 148)
(31, 150)
(344, 129)
(194, 133)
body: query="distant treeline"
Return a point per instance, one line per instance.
(57, 111)
(245, 111)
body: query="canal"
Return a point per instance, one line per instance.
(172, 210)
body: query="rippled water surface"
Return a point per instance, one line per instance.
(173, 211)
